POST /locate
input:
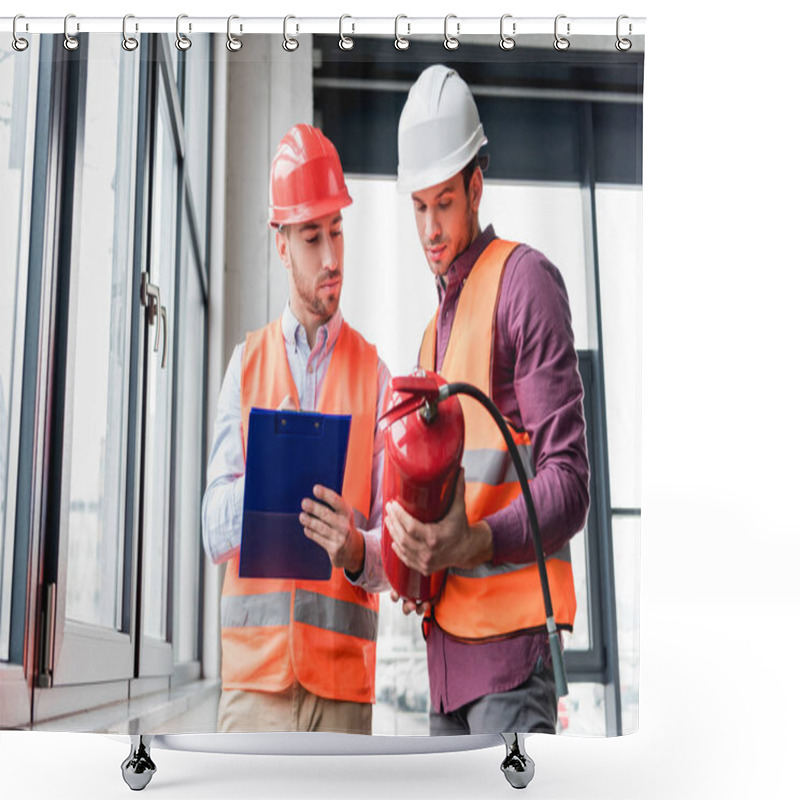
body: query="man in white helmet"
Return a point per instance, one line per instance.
(503, 324)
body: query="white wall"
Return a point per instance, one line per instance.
(269, 90)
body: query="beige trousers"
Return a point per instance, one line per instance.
(293, 710)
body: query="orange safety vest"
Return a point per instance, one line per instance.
(322, 633)
(491, 600)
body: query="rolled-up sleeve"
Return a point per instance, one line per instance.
(537, 386)
(223, 501)
(372, 577)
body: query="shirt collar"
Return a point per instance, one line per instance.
(293, 329)
(463, 264)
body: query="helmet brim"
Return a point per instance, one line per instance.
(308, 212)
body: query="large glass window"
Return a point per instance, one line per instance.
(581, 636)
(196, 105)
(189, 458)
(95, 445)
(583, 711)
(117, 465)
(18, 82)
(161, 269)
(619, 222)
(402, 692)
(627, 549)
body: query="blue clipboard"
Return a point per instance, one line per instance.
(288, 452)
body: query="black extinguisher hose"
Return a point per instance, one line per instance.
(559, 670)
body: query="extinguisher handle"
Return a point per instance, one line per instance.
(399, 411)
(419, 385)
(421, 389)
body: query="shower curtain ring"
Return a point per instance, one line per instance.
(451, 42)
(289, 43)
(234, 44)
(182, 41)
(70, 42)
(129, 43)
(19, 44)
(560, 42)
(346, 42)
(623, 45)
(400, 42)
(507, 42)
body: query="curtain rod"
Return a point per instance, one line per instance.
(405, 26)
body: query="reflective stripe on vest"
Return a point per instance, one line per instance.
(320, 633)
(491, 600)
(256, 610)
(495, 467)
(339, 616)
(485, 570)
(310, 608)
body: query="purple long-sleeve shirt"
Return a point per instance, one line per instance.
(536, 385)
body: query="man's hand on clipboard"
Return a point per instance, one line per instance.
(329, 522)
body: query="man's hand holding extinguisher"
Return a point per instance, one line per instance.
(434, 546)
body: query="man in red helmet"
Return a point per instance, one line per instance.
(300, 655)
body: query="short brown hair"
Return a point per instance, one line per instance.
(467, 172)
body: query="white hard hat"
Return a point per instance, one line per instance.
(440, 131)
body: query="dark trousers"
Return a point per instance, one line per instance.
(531, 707)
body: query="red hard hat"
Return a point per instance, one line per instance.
(306, 181)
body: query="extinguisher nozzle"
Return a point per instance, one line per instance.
(559, 670)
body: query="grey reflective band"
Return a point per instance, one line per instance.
(310, 608)
(495, 467)
(334, 615)
(256, 610)
(488, 570)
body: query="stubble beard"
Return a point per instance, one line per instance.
(324, 308)
(437, 267)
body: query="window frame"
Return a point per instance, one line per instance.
(61, 666)
(82, 652)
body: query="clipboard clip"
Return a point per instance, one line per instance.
(298, 423)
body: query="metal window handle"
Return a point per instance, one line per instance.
(154, 311)
(162, 311)
(150, 296)
(151, 300)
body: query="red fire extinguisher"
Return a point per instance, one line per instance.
(422, 459)
(424, 442)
